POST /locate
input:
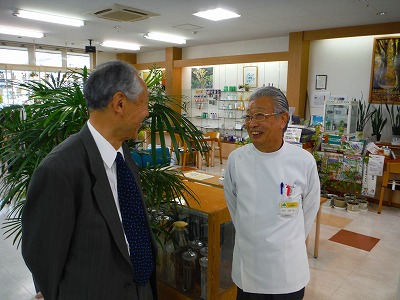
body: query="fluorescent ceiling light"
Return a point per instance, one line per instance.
(217, 14)
(48, 18)
(21, 32)
(165, 38)
(120, 45)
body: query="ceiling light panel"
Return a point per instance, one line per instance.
(21, 32)
(165, 38)
(48, 18)
(217, 14)
(120, 45)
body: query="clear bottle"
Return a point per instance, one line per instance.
(189, 268)
(179, 235)
(169, 267)
(196, 245)
(204, 270)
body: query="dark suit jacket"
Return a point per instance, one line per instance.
(73, 240)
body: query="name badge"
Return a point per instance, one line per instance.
(288, 208)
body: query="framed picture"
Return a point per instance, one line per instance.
(320, 82)
(202, 78)
(385, 73)
(250, 76)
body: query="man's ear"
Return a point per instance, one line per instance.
(285, 119)
(118, 102)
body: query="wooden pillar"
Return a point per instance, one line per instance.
(127, 57)
(93, 60)
(173, 76)
(298, 72)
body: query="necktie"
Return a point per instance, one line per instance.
(133, 217)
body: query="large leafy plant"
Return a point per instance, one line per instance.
(55, 110)
(394, 115)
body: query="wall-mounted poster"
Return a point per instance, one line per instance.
(250, 76)
(202, 78)
(385, 73)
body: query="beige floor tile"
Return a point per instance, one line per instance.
(320, 289)
(372, 284)
(343, 294)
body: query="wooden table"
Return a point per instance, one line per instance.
(317, 227)
(213, 180)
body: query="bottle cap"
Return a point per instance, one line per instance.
(189, 255)
(180, 224)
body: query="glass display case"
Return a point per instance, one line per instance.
(216, 110)
(198, 264)
(340, 116)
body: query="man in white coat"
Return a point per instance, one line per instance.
(272, 190)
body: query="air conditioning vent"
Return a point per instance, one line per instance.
(117, 12)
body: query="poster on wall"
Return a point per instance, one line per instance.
(385, 73)
(250, 74)
(202, 78)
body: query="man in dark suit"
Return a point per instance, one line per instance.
(73, 239)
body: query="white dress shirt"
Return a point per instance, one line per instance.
(108, 154)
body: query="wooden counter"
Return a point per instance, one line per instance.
(211, 202)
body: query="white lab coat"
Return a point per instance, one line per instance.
(270, 254)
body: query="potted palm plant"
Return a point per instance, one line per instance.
(394, 115)
(378, 122)
(57, 109)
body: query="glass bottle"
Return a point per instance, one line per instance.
(196, 245)
(203, 269)
(180, 239)
(189, 269)
(169, 267)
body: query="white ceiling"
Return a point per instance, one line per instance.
(259, 19)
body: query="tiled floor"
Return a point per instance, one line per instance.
(340, 272)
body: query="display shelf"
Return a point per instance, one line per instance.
(340, 116)
(210, 219)
(227, 109)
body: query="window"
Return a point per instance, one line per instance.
(12, 55)
(78, 60)
(48, 58)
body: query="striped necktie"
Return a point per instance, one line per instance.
(133, 216)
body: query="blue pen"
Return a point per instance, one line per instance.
(282, 185)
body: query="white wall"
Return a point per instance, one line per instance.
(347, 63)
(280, 44)
(149, 57)
(273, 73)
(105, 56)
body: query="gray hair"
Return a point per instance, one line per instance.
(109, 78)
(280, 101)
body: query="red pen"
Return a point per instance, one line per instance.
(287, 190)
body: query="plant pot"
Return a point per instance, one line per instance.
(395, 139)
(353, 206)
(339, 202)
(376, 137)
(363, 205)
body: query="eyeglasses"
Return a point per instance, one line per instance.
(259, 117)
